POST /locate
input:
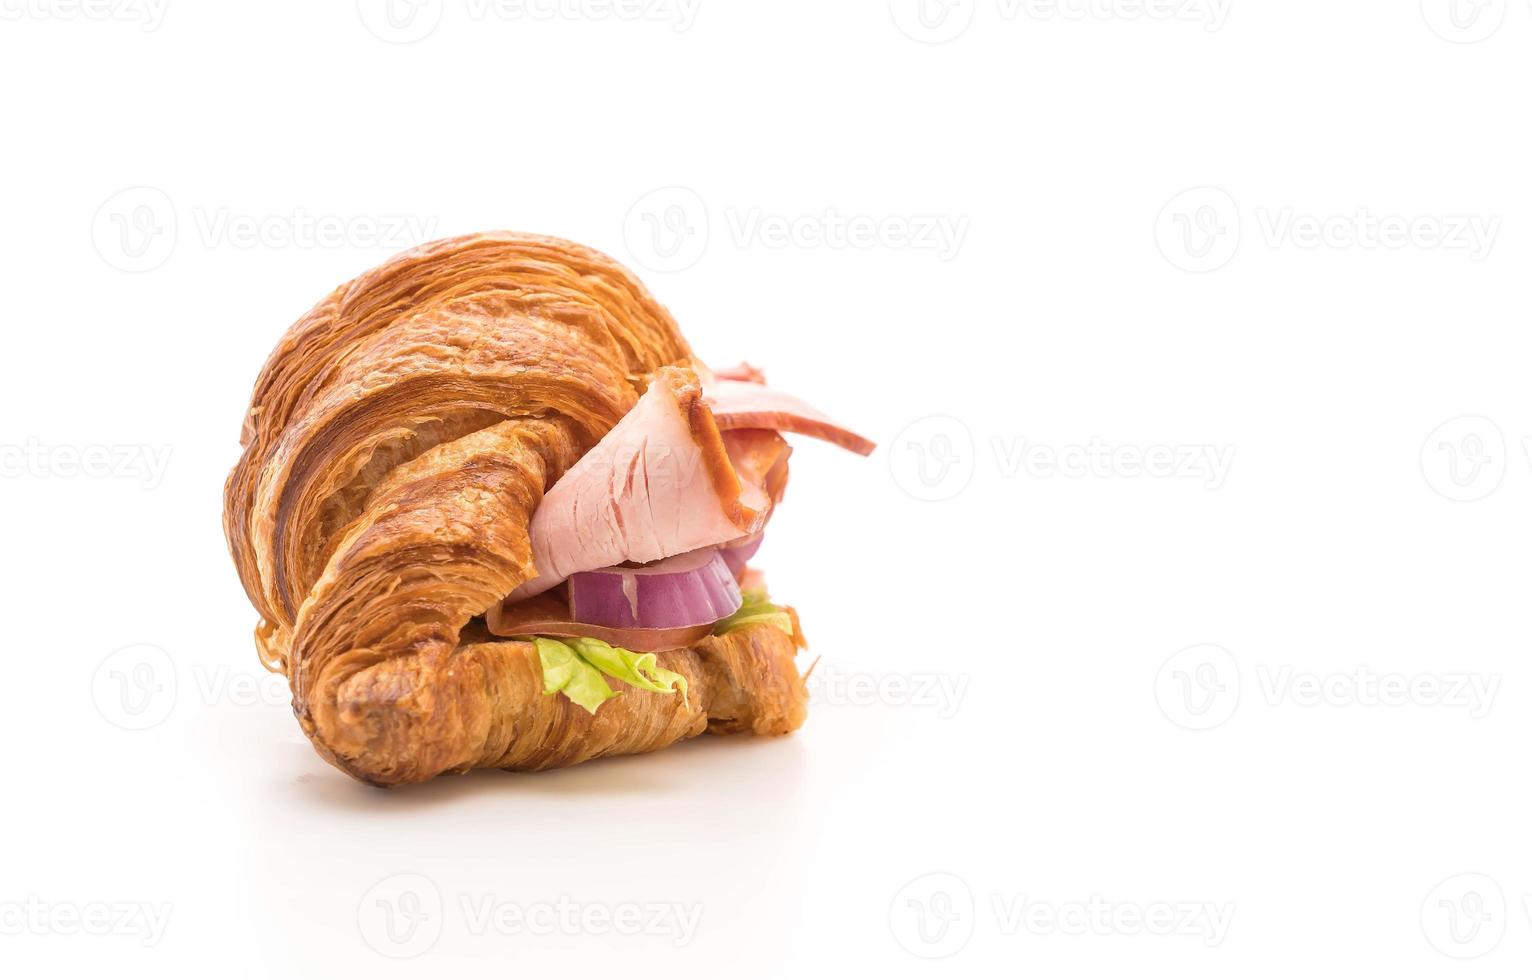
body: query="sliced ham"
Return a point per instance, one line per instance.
(759, 458)
(693, 464)
(546, 616)
(660, 483)
(743, 371)
(749, 405)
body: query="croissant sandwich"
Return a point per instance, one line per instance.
(494, 514)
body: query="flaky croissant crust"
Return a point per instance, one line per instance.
(398, 440)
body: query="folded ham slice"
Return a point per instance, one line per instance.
(660, 483)
(743, 371)
(686, 468)
(740, 404)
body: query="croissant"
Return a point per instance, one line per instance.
(387, 515)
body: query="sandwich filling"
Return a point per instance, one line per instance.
(642, 545)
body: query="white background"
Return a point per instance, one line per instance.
(1004, 719)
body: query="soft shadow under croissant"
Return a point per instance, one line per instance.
(398, 441)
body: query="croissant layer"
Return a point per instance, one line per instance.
(398, 442)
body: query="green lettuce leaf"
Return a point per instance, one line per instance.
(575, 666)
(565, 670)
(579, 666)
(757, 608)
(642, 670)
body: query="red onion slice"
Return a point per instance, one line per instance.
(736, 555)
(693, 589)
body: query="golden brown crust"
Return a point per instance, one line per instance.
(398, 441)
